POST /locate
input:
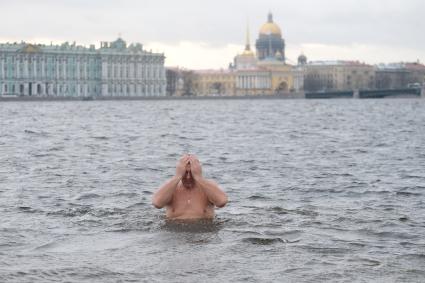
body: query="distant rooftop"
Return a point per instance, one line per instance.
(212, 71)
(117, 46)
(337, 63)
(401, 65)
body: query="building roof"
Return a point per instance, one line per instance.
(270, 27)
(214, 72)
(401, 65)
(116, 47)
(338, 63)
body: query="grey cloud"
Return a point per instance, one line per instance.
(377, 22)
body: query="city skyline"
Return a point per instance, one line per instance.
(209, 34)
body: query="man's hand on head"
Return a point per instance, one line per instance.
(181, 166)
(195, 166)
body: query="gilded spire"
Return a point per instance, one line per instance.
(248, 41)
(247, 51)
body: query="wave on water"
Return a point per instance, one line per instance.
(319, 191)
(192, 225)
(87, 196)
(264, 241)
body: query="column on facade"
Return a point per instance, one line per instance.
(56, 62)
(104, 69)
(35, 65)
(77, 67)
(17, 69)
(25, 71)
(43, 67)
(42, 89)
(25, 85)
(119, 68)
(1, 72)
(124, 68)
(48, 89)
(65, 65)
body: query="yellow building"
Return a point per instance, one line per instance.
(282, 75)
(253, 82)
(262, 73)
(267, 73)
(215, 83)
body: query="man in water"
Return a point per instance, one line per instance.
(188, 195)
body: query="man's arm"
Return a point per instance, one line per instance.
(164, 195)
(215, 195)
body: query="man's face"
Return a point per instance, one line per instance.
(187, 180)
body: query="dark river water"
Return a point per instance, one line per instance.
(318, 191)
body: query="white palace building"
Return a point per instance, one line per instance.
(114, 69)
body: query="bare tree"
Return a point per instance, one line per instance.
(189, 83)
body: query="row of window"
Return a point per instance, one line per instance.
(55, 89)
(73, 60)
(82, 73)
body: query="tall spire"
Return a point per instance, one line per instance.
(248, 41)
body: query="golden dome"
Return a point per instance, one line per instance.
(248, 53)
(270, 27)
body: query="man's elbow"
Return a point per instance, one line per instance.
(222, 202)
(157, 203)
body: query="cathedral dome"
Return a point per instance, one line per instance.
(270, 44)
(302, 59)
(270, 27)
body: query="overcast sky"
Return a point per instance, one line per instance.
(209, 33)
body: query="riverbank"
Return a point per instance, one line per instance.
(137, 98)
(362, 94)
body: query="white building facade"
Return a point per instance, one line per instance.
(114, 69)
